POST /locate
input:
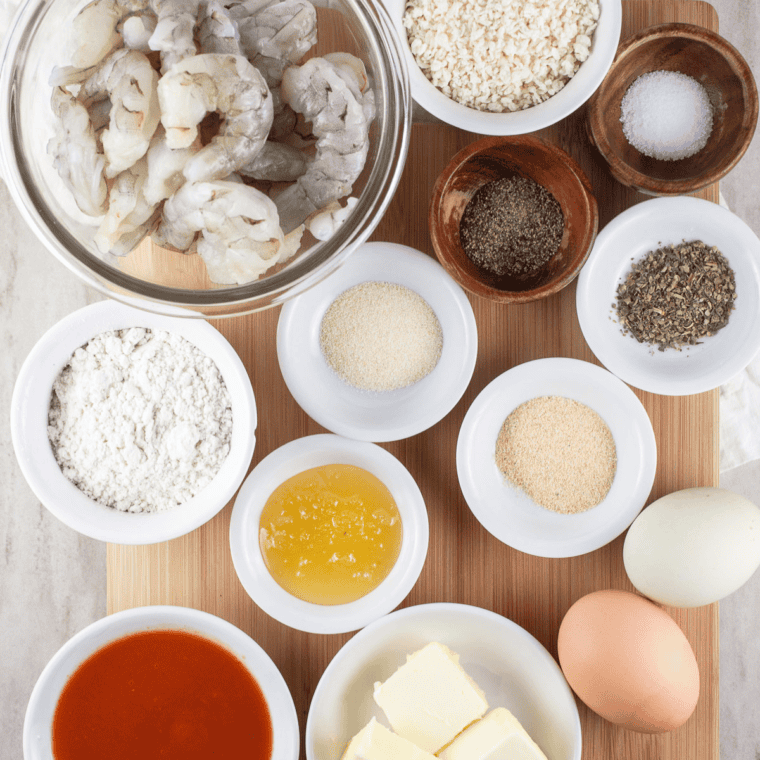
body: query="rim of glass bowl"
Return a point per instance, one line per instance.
(396, 116)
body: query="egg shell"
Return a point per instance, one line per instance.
(693, 547)
(628, 660)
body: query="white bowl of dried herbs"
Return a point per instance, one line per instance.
(669, 299)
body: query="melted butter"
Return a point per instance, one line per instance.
(330, 535)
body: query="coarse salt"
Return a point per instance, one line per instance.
(666, 115)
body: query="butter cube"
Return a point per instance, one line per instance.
(376, 742)
(430, 699)
(499, 736)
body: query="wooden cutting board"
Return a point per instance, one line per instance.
(464, 563)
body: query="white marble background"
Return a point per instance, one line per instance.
(52, 581)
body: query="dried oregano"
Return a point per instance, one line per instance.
(676, 295)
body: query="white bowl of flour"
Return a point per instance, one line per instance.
(152, 427)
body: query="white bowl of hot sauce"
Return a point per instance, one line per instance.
(291, 460)
(95, 659)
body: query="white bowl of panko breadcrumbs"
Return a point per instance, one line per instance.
(556, 457)
(505, 68)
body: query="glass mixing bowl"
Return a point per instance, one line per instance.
(162, 280)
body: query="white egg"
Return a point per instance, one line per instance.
(693, 547)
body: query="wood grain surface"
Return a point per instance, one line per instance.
(464, 563)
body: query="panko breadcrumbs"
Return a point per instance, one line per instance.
(500, 55)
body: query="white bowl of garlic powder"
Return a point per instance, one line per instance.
(151, 428)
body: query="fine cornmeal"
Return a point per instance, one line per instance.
(379, 336)
(560, 452)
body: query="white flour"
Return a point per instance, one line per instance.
(140, 420)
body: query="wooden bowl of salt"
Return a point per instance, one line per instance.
(491, 159)
(624, 107)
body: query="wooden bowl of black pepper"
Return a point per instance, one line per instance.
(676, 111)
(513, 219)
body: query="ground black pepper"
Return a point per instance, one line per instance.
(512, 227)
(676, 295)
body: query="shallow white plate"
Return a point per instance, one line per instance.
(287, 461)
(38, 723)
(511, 666)
(631, 235)
(367, 415)
(507, 512)
(29, 419)
(571, 97)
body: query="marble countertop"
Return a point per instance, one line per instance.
(53, 581)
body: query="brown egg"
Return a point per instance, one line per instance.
(628, 660)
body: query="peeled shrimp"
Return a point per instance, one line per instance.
(217, 30)
(241, 235)
(224, 83)
(283, 30)
(165, 167)
(175, 30)
(329, 94)
(137, 29)
(324, 224)
(76, 155)
(275, 35)
(128, 209)
(128, 79)
(276, 163)
(94, 30)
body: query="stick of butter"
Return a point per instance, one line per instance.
(376, 742)
(430, 699)
(499, 736)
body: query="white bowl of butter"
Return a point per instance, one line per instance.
(499, 665)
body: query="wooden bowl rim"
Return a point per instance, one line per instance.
(625, 173)
(478, 287)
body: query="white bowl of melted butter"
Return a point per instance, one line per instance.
(306, 605)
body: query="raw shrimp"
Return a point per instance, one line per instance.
(94, 30)
(128, 79)
(217, 30)
(241, 235)
(165, 167)
(224, 83)
(275, 35)
(175, 30)
(128, 209)
(324, 224)
(284, 30)
(76, 155)
(276, 163)
(136, 30)
(329, 94)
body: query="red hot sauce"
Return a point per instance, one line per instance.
(162, 694)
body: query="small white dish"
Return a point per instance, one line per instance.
(29, 420)
(631, 235)
(388, 415)
(511, 515)
(38, 722)
(571, 97)
(511, 666)
(287, 461)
